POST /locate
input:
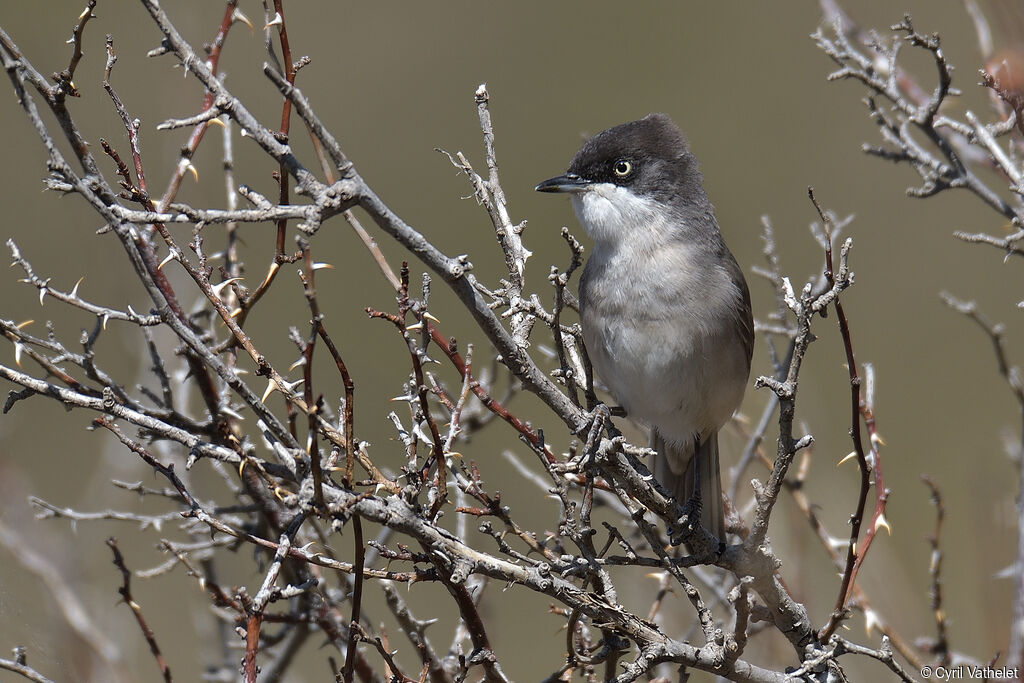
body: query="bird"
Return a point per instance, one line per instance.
(664, 307)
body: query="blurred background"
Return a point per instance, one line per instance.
(394, 81)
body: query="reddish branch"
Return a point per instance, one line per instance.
(252, 645)
(312, 449)
(281, 176)
(855, 554)
(451, 350)
(422, 392)
(357, 599)
(212, 59)
(346, 378)
(858, 598)
(197, 368)
(126, 594)
(448, 554)
(482, 652)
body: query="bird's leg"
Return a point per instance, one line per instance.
(698, 540)
(687, 526)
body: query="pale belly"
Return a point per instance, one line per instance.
(665, 314)
(678, 374)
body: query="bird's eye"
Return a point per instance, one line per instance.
(622, 168)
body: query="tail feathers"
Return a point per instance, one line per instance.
(701, 468)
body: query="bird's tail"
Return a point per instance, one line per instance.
(703, 468)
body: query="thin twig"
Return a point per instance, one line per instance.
(126, 595)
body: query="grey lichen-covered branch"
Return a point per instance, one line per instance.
(300, 508)
(916, 126)
(920, 127)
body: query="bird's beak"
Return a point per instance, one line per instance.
(570, 182)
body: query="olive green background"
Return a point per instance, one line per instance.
(394, 80)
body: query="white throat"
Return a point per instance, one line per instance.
(616, 217)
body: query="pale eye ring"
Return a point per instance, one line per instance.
(622, 168)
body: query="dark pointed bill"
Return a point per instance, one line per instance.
(569, 182)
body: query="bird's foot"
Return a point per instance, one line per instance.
(687, 530)
(687, 525)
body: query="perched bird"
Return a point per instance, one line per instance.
(664, 306)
